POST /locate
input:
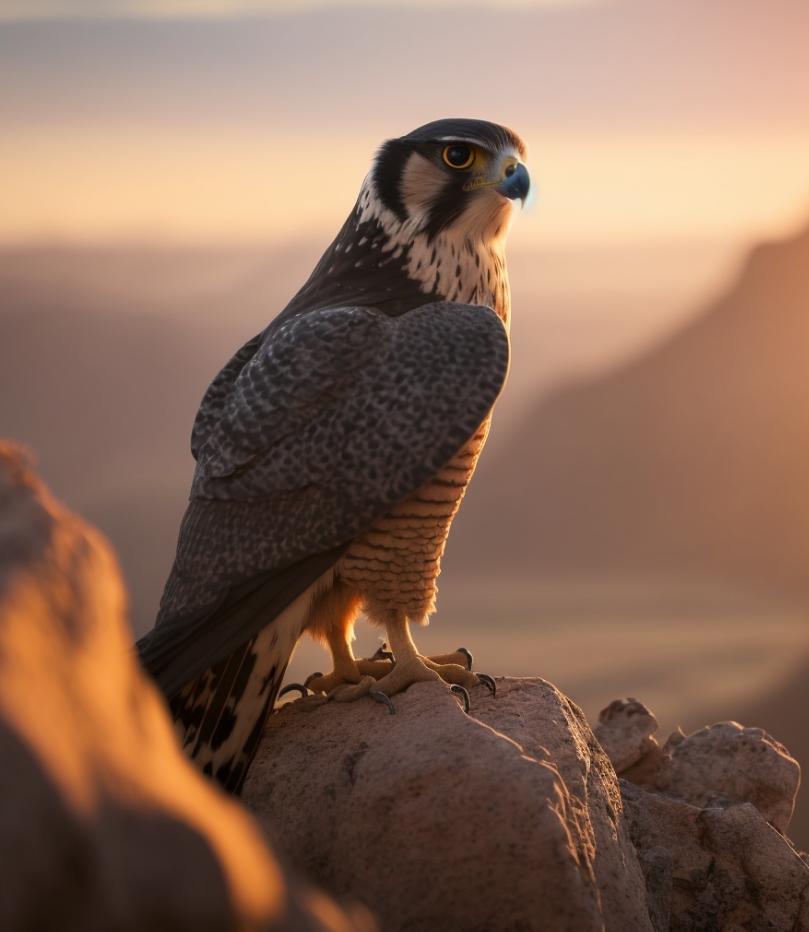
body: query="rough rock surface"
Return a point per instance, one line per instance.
(727, 762)
(698, 810)
(625, 729)
(716, 869)
(103, 823)
(511, 818)
(507, 819)
(716, 766)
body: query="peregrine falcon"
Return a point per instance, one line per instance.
(334, 449)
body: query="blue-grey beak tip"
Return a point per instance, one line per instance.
(517, 185)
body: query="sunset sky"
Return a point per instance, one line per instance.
(206, 120)
(666, 136)
(37, 9)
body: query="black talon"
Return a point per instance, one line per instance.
(460, 691)
(468, 655)
(312, 676)
(288, 689)
(383, 652)
(488, 682)
(381, 697)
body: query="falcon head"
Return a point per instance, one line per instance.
(430, 222)
(452, 175)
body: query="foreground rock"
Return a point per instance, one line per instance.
(707, 815)
(510, 818)
(103, 823)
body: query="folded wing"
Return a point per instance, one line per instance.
(310, 434)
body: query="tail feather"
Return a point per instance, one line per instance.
(221, 668)
(176, 650)
(219, 716)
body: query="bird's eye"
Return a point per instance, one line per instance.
(459, 156)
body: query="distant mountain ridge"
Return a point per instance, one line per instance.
(694, 458)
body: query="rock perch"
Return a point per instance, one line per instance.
(506, 819)
(512, 818)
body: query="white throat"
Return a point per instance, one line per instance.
(464, 263)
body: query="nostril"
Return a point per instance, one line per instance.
(510, 170)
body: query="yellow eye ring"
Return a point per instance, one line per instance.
(458, 156)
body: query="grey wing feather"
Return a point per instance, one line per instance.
(181, 647)
(356, 402)
(210, 409)
(338, 415)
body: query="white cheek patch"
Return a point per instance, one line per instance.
(421, 185)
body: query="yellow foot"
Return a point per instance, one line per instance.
(453, 668)
(348, 675)
(447, 664)
(460, 656)
(380, 679)
(377, 677)
(414, 668)
(403, 673)
(456, 669)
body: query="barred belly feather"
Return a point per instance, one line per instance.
(395, 563)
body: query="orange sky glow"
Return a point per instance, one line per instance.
(647, 119)
(125, 183)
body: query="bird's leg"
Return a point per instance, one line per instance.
(406, 669)
(347, 669)
(461, 657)
(332, 618)
(411, 667)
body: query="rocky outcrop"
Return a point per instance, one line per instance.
(103, 823)
(716, 767)
(722, 869)
(512, 817)
(707, 814)
(509, 818)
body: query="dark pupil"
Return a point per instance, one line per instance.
(458, 155)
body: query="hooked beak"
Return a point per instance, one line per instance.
(515, 181)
